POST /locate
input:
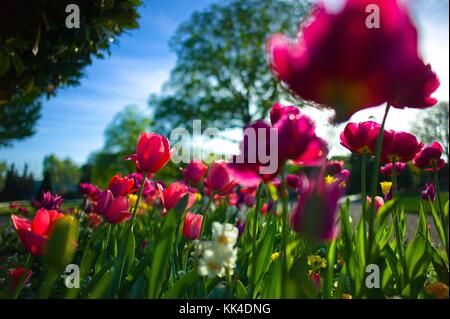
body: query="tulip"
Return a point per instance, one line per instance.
(219, 178)
(34, 234)
(61, 245)
(387, 169)
(399, 147)
(49, 201)
(94, 220)
(314, 216)
(379, 202)
(14, 277)
(360, 138)
(340, 62)
(113, 209)
(293, 181)
(152, 153)
(429, 157)
(172, 195)
(279, 110)
(91, 191)
(248, 168)
(334, 167)
(297, 140)
(121, 186)
(192, 225)
(194, 171)
(429, 193)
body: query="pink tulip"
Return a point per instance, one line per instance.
(114, 209)
(219, 178)
(192, 225)
(172, 195)
(194, 171)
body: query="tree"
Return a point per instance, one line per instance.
(17, 187)
(221, 75)
(40, 53)
(432, 125)
(46, 185)
(65, 174)
(121, 136)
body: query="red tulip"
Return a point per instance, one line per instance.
(194, 171)
(34, 234)
(429, 156)
(314, 216)
(387, 169)
(399, 147)
(121, 186)
(360, 138)
(219, 178)
(152, 152)
(15, 275)
(192, 225)
(341, 62)
(172, 195)
(113, 209)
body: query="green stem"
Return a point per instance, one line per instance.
(373, 190)
(230, 285)
(441, 209)
(396, 221)
(284, 234)
(27, 267)
(254, 237)
(127, 235)
(205, 215)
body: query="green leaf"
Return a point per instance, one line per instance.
(264, 249)
(240, 291)
(161, 256)
(328, 280)
(178, 290)
(417, 257)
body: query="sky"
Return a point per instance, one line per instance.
(73, 122)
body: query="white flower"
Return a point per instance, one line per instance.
(224, 234)
(218, 257)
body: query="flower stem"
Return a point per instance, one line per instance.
(284, 238)
(27, 267)
(205, 215)
(441, 210)
(373, 190)
(136, 205)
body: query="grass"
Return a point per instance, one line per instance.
(411, 203)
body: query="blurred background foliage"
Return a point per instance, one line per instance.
(39, 54)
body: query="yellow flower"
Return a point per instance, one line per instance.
(347, 296)
(275, 256)
(311, 260)
(439, 289)
(132, 199)
(330, 179)
(385, 187)
(198, 196)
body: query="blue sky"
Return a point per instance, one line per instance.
(72, 123)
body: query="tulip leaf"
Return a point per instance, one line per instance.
(161, 256)
(178, 290)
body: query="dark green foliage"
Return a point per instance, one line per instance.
(39, 54)
(17, 186)
(221, 76)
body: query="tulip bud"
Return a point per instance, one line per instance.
(61, 245)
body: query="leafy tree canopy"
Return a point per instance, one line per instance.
(39, 54)
(432, 125)
(64, 174)
(221, 75)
